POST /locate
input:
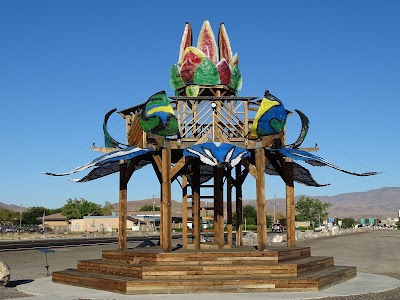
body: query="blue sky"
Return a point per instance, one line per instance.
(64, 64)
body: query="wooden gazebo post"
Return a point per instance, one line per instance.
(239, 179)
(260, 192)
(229, 207)
(196, 206)
(166, 219)
(290, 207)
(219, 207)
(123, 194)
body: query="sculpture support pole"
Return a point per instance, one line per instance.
(166, 200)
(290, 207)
(123, 195)
(261, 211)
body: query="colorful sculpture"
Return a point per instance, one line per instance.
(109, 163)
(270, 118)
(209, 65)
(157, 117)
(206, 64)
(109, 141)
(217, 154)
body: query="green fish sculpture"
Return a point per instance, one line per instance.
(158, 117)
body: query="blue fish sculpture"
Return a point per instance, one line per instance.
(270, 118)
(217, 154)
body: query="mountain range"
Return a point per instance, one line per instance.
(379, 203)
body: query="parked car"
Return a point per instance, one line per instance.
(277, 227)
(320, 228)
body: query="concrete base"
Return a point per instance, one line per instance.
(364, 283)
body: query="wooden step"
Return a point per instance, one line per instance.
(240, 269)
(312, 263)
(151, 271)
(235, 255)
(311, 281)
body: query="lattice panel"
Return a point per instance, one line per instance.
(212, 119)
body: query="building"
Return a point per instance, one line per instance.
(152, 218)
(104, 224)
(56, 222)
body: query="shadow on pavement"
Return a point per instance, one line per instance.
(14, 283)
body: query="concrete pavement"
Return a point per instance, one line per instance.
(364, 283)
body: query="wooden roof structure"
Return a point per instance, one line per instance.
(215, 115)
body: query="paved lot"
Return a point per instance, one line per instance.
(374, 252)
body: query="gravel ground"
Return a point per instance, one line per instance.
(372, 252)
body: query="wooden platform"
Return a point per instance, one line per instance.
(151, 271)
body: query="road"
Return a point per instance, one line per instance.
(16, 245)
(35, 244)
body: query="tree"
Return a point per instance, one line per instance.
(250, 214)
(31, 214)
(149, 207)
(269, 219)
(78, 208)
(348, 223)
(107, 209)
(8, 216)
(310, 209)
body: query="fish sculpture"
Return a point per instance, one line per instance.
(270, 118)
(109, 141)
(217, 154)
(157, 116)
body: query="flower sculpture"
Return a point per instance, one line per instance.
(206, 64)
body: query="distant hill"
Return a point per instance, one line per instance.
(137, 204)
(13, 207)
(380, 203)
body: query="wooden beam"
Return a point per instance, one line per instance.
(290, 207)
(166, 218)
(249, 167)
(174, 173)
(157, 166)
(131, 167)
(104, 149)
(123, 195)
(260, 194)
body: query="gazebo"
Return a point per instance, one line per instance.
(210, 139)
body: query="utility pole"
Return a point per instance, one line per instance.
(154, 220)
(43, 229)
(274, 208)
(20, 219)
